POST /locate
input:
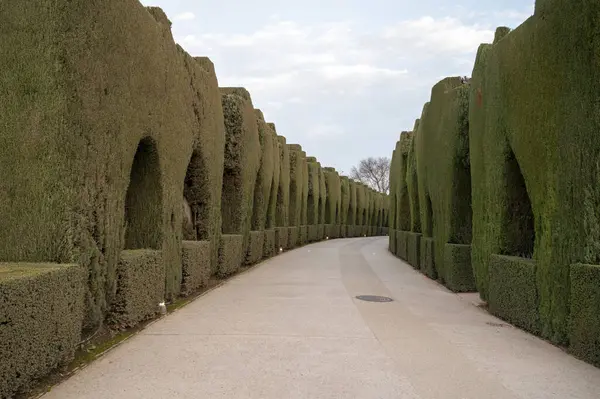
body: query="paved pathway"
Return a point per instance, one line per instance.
(291, 328)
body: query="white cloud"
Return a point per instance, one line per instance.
(186, 16)
(326, 131)
(439, 35)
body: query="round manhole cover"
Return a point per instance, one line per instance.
(374, 298)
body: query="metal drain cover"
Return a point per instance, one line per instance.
(374, 298)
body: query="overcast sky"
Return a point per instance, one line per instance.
(340, 77)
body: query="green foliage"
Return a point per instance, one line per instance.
(141, 288)
(333, 203)
(296, 183)
(196, 267)
(513, 292)
(254, 251)
(413, 249)
(270, 247)
(282, 238)
(264, 178)
(282, 214)
(294, 237)
(271, 221)
(516, 105)
(231, 254)
(584, 326)
(442, 147)
(428, 257)
(458, 270)
(313, 193)
(41, 311)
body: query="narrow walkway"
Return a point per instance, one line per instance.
(291, 328)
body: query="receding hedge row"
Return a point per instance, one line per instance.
(501, 172)
(153, 185)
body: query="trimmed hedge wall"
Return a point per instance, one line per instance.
(282, 213)
(282, 237)
(413, 248)
(231, 254)
(428, 257)
(392, 242)
(458, 269)
(294, 237)
(584, 326)
(140, 288)
(41, 313)
(304, 235)
(513, 291)
(254, 252)
(296, 183)
(313, 232)
(196, 265)
(270, 247)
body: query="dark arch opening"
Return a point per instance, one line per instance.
(416, 206)
(365, 220)
(462, 211)
(328, 213)
(196, 200)
(144, 199)
(272, 209)
(428, 231)
(518, 227)
(231, 201)
(350, 216)
(311, 211)
(403, 213)
(280, 208)
(320, 213)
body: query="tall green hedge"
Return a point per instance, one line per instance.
(352, 204)
(296, 183)
(304, 216)
(443, 165)
(533, 111)
(333, 202)
(264, 178)
(242, 161)
(63, 192)
(282, 214)
(271, 221)
(313, 193)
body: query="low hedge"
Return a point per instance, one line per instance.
(195, 258)
(343, 231)
(41, 313)
(294, 237)
(270, 248)
(231, 254)
(140, 288)
(513, 293)
(304, 235)
(320, 232)
(413, 249)
(392, 242)
(254, 252)
(428, 257)
(458, 269)
(584, 326)
(402, 244)
(281, 237)
(313, 233)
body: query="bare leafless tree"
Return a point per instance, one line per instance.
(374, 172)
